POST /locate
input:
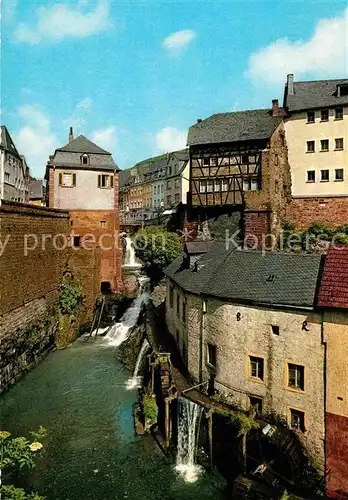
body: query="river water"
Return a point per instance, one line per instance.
(91, 453)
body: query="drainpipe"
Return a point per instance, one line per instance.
(201, 364)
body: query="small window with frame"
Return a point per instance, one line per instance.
(297, 420)
(211, 355)
(310, 116)
(310, 146)
(339, 174)
(256, 368)
(338, 113)
(325, 175)
(324, 145)
(206, 162)
(324, 115)
(85, 159)
(339, 144)
(255, 404)
(310, 175)
(296, 377)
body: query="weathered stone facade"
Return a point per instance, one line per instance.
(239, 331)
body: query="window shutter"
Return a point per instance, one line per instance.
(74, 179)
(111, 181)
(60, 179)
(99, 181)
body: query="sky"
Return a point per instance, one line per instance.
(134, 75)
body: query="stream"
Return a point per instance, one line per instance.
(79, 395)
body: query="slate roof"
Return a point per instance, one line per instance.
(36, 189)
(314, 94)
(6, 142)
(256, 124)
(197, 247)
(271, 278)
(333, 290)
(83, 145)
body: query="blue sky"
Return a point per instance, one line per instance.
(134, 75)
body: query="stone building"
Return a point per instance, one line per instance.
(333, 300)
(240, 160)
(83, 178)
(247, 319)
(316, 129)
(37, 192)
(14, 171)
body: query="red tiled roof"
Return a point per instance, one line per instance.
(333, 290)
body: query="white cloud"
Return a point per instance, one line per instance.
(105, 138)
(170, 139)
(324, 55)
(85, 103)
(9, 8)
(35, 140)
(59, 21)
(179, 40)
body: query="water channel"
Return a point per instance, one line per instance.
(91, 453)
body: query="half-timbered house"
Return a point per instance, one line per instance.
(239, 159)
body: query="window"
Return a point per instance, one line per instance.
(169, 170)
(310, 175)
(171, 295)
(297, 419)
(169, 199)
(184, 310)
(339, 174)
(84, 159)
(310, 116)
(324, 175)
(7, 177)
(250, 184)
(217, 186)
(324, 115)
(213, 162)
(296, 376)
(177, 303)
(206, 162)
(256, 367)
(76, 241)
(275, 329)
(67, 179)
(105, 181)
(211, 355)
(310, 146)
(177, 198)
(342, 90)
(339, 144)
(324, 145)
(339, 114)
(177, 183)
(224, 185)
(245, 159)
(202, 186)
(103, 223)
(255, 404)
(169, 184)
(210, 186)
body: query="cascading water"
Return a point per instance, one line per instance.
(189, 417)
(130, 261)
(135, 381)
(120, 331)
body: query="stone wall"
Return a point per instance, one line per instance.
(252, 335)
(332, 211)
(34, 254)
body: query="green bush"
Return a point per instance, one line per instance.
(156, 248)
(70, 296)
(150, 408)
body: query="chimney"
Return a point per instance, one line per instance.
(71, 134)
(275, 107)
(290, 84)
(199, 120)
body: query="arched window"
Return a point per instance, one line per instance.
(85, 159)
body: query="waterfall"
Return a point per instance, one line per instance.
(189, 416)
(120, 331)
(130, 261)
(135, 381)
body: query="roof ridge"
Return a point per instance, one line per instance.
(320, 81)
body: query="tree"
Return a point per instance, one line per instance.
(156, 248)
(17, 453)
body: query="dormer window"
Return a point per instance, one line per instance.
(85, 159)
(342, 90)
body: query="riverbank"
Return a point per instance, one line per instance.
(91, 452)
